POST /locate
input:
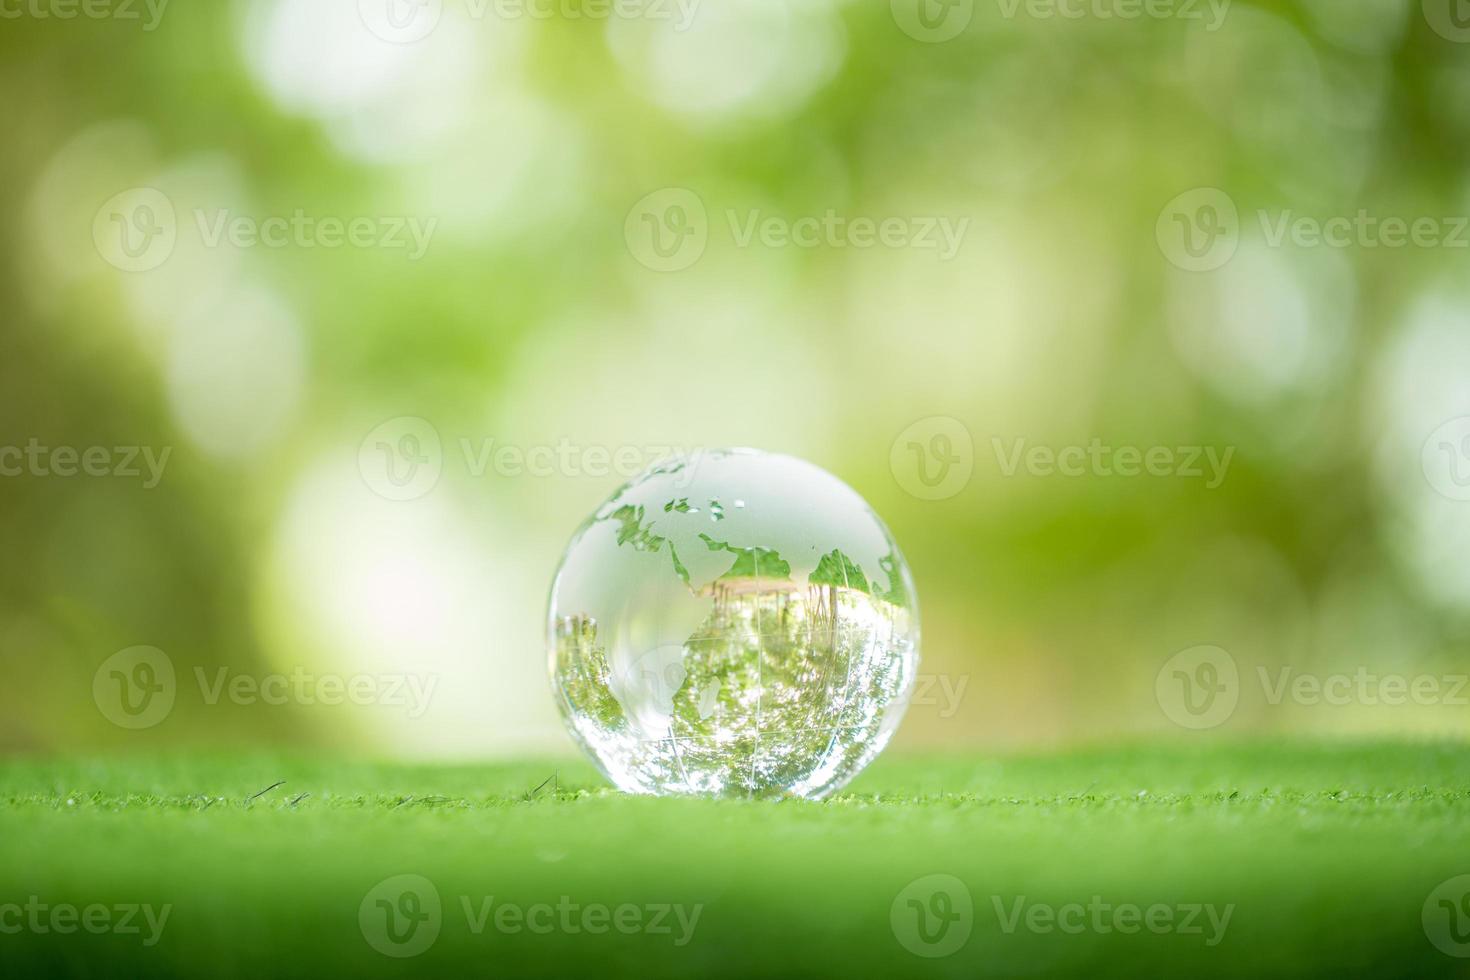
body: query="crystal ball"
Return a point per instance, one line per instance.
(733, 623)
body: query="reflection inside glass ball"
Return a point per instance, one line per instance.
(733, 623)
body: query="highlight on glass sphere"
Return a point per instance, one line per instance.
(733, 623)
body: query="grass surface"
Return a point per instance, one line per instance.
(1324, 855)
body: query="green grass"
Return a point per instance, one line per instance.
(1326, 855)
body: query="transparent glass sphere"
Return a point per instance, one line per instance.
(733, 623)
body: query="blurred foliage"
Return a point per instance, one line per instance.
(532, 320)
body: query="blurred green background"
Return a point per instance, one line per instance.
(393, 294)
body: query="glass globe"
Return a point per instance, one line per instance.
(733, 623)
